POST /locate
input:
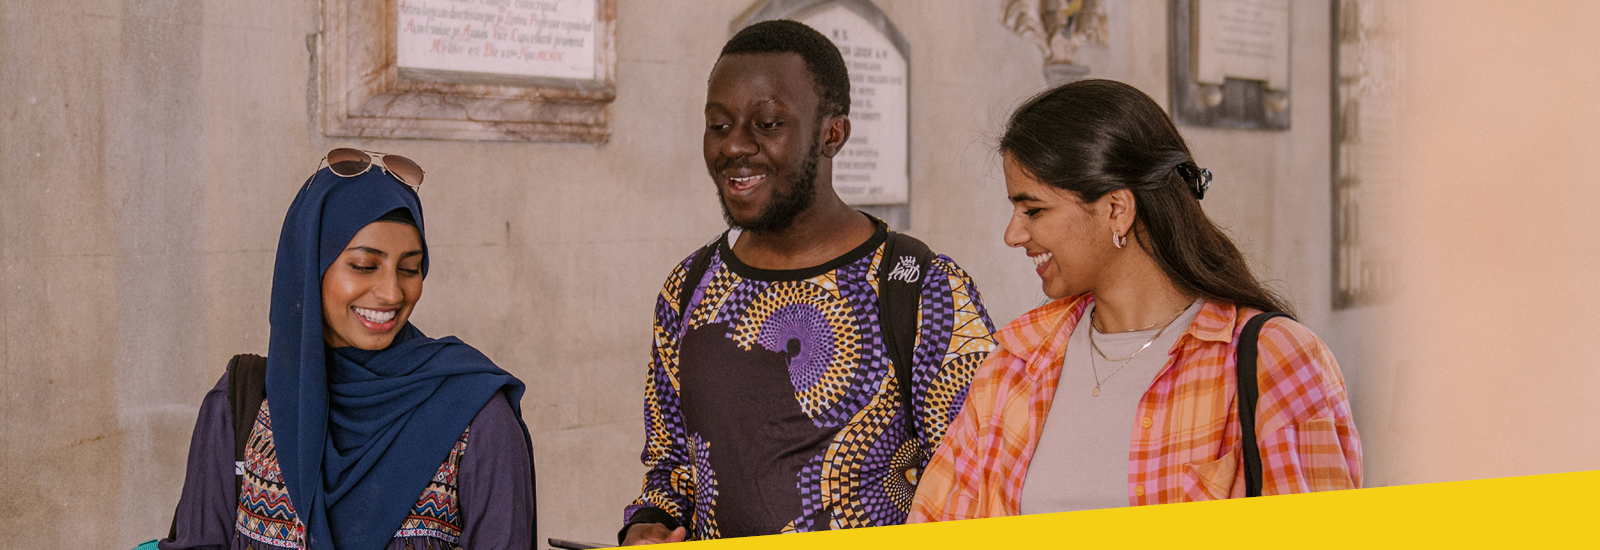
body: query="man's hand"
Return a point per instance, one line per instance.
(653, 533)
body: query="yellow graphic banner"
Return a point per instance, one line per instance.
(1555, 510)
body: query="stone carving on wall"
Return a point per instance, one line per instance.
(1058, 28)
(503, 70)
(1367, 74)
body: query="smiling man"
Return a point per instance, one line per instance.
(778, 403)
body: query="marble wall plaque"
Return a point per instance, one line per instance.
(1229, 63)
(1244, 39)
(873, 167)
(502, 70)
(535, 38)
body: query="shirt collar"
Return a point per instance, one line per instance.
(1045, 329)
(1215, 322)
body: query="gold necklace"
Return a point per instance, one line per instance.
(1096, 324)
(1124, 360)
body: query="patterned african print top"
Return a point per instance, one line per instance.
(775, 407)
(1185, 441)
(477, 499)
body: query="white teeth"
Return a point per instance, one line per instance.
(745, 179)
(1041, 259)
(375, 316)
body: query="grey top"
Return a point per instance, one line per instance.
(1081, 462)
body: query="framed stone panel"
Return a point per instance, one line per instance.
(504, 70)
(1230, 63)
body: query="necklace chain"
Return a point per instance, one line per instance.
(1096, 324)
(1093, 328)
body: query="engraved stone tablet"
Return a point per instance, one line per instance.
(873, 167)
(1244, 39)
(1230, 63)
(538, 38)
(511, 70)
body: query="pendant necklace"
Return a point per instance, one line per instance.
(1123, 360)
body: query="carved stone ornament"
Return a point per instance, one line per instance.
(502, 70)
(1369, 71)
(1057, 27)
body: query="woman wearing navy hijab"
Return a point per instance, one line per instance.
(371, 435)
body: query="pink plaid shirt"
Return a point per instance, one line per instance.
(1185, 441)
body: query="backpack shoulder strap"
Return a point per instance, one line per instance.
(1248, 395)
(691, 278)
(901, 273)
(247, 388)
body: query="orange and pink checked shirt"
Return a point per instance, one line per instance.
(1185, 441)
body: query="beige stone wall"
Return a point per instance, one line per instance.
(149, 150)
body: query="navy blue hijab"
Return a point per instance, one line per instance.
(359, 433)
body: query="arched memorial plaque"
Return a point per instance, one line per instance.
(874, 169)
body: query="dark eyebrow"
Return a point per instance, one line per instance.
(382, 254)
(1023, 197)
(369, 250)
(758, 102)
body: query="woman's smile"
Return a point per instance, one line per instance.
(376, 320)
(1040, 261)
(382, 269)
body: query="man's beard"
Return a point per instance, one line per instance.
(786, 203)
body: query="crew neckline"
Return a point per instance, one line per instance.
(880, 234)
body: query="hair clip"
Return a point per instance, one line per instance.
(1199, 179)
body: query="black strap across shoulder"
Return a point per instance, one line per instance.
(1249, 393)
(247, 388)
(691, 278)
(900, 274)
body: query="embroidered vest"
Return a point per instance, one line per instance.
(268, 520)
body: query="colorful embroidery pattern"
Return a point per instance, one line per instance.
(266, 516)
(437, 513)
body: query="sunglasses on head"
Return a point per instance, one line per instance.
(349, 163)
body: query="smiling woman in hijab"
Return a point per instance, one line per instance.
(372, 435)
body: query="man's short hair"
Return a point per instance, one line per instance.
(828, 74)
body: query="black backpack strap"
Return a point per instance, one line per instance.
(691, 278)
(901, 272)
(1248, 395)
(247, 388)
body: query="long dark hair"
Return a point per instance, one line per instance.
(1092, 137)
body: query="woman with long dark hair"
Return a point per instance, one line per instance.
(357, 431)
(1121, 391)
